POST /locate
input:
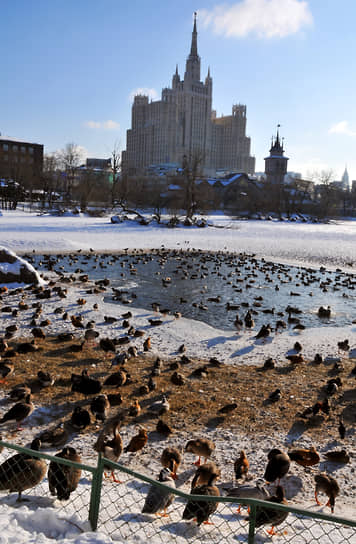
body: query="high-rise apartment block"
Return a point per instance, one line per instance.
(183, 123)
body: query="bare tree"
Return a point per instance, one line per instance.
(71, 157)
(191, 170)
(116, 169)
(325, 191)
(50, 177)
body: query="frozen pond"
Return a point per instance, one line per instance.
(215, 287)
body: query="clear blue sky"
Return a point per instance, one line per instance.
(69, 67)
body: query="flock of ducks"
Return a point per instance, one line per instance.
(24, 471)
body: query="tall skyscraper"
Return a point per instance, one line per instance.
(183, 123)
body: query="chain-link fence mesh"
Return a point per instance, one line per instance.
(114, 503)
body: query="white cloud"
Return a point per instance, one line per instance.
(151, 93)
(106, 125)
(265, 18)
(342, 128)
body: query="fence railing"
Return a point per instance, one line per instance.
(116, 509)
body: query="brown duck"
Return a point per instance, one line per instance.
(64, 479)
(111, 448)
(203, 447)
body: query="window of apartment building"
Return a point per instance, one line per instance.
(5, 147)
(23, 149)
(15, 148)
(30, 150)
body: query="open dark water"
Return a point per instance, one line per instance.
(201, 285)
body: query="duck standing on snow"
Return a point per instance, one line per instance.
(328, 485)
(203, 447)
(241, 466)
(138, 441)
(63, 479)
(157, 498)
(111, 448)
(277, 466)
(202, 510)
(259, 491)
(171, 458)
(266, 516)
(19, 412)
(204, 473)
(22, 471)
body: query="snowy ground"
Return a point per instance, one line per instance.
(331, 245)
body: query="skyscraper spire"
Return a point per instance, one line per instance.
(194, 46)
(192, 70)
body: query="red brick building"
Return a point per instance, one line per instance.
(20, 161)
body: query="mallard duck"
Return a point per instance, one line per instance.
(203, 447)
(203, 474)
(259, 491)
(241, 465)
(6, 369)
(111, 448)
(45, 379)
(85, 384)
(80, 418)
(63, 479)
(56, 436)
(117, 379)
(137, 442)
(277, 466)
(157, 498)
(19, 412)
(328, 485)
(19, 392)
(266, 516)
(171, 458)
(202, 510)
(306, 457)
(22, 471)
(337, 456)
(99, 407)
(135, 409)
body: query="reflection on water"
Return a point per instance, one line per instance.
(215, 287)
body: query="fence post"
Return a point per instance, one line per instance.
(95, 493)
(252, 523)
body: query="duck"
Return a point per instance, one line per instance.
(338, 456)
(20, 411)
(343, 345)
(241, 465)
(90, 336)
(107, 345)
(85, 384)
(6, 369)
(160, 407)
(135, 409)
(137, 442)
(204, 472)
(171, 458)
(328, 485)
(99, 407)
(306, 457)
(55, 436)
(266, 516)
(64, 479)
(203, 447)
(117, 379)
(258, 491)
(111, 448)
(277, 466)
(22, 471)
(45, 379)
(147, 344)
(158, 498)
(202, 510)
(19, 392)
(115, 399)
(80, 418)
(163, 428)
(275, 396)
(264, 332)
(37, 332)
(324, 312)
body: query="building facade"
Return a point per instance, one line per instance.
(183, 123)
(20, 161)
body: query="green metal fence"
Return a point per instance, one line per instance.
(116, 509)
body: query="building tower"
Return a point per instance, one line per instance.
(345, 181)
(182, 124)
(276, 163)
